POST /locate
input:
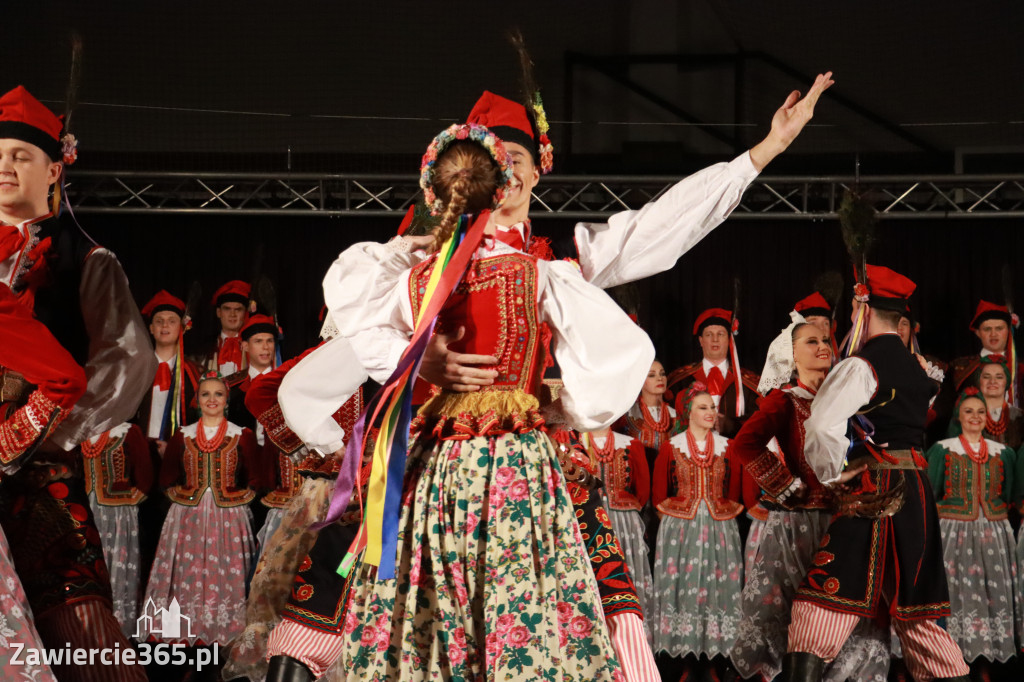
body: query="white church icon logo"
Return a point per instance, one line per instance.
(168, 624)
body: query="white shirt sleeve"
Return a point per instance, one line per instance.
(638, 244)
(848, 387)
(313, 390)
(604, 357)
(365, 285)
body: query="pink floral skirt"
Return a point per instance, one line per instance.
(203, 558)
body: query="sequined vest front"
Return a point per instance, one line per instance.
(972, 488)
(106, 475)
(216, 470)
(698, 484)
(496, 303)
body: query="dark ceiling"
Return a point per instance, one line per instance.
(922, 85)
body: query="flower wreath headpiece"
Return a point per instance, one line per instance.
(465, 131)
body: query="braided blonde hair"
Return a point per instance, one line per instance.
(466, 180)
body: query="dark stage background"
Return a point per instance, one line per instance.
(953, 261)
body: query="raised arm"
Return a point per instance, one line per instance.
(638, 244)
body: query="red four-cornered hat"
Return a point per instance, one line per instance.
(235, 291)
(889, 290)
(505, 118)
(990, 311)
(815, 304)
(258, 324)
(23, 117)
(163, 301)
(712, 316)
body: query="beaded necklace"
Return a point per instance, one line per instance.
(90, 449)
(664, 418)
(210, 445)
(605, 453)
(702, 458)
(998, 428)
(981, 456)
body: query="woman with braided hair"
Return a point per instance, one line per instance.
(491, 575)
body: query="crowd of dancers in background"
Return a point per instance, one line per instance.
(562, 515)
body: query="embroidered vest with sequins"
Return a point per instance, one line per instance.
(698, 484)
(106, 474)
(216, 470)
(496, 302)
(972, 488)
(289, 485)
(617, 476)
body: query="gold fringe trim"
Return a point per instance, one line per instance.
(485, 403)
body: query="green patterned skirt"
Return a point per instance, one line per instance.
(492, 579)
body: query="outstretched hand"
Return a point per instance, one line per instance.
(455, 371)
(789, 120)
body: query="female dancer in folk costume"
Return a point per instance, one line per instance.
(118, 477)
(698, 566)
(492, 579)
(651, 420)
(797, 362)
(621, 464)
(974, 479)
(1004, 423)
(209, 471)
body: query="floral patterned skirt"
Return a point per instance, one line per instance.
(785, 552)
(16, 625)
(204, 555)
(698, 575)
(984, 594)
(119, 534)
(492, 580)
(279, 560)
(270, 525)
(753, 541)
(629, 528)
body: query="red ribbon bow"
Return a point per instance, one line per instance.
(162, 380)
(230, 351)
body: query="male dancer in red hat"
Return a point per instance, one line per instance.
(712, 330)
(168, 406)
(50, 270)
(882, 549)
(994, 325)
(231, 304)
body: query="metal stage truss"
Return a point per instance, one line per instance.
(572, 197)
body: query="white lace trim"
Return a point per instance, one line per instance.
(934, 372)
(779, 365)
(329, 330)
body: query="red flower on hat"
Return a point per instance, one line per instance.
(1014, 320)
(69, 149)
(971, 390)
(861, 292)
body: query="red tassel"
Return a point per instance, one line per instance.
(867, 485)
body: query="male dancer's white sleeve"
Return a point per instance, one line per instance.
(637, 244)
(848, 387)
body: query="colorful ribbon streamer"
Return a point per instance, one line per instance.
(391, 408)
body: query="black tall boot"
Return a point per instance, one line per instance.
(287, 669)
(801, 667)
